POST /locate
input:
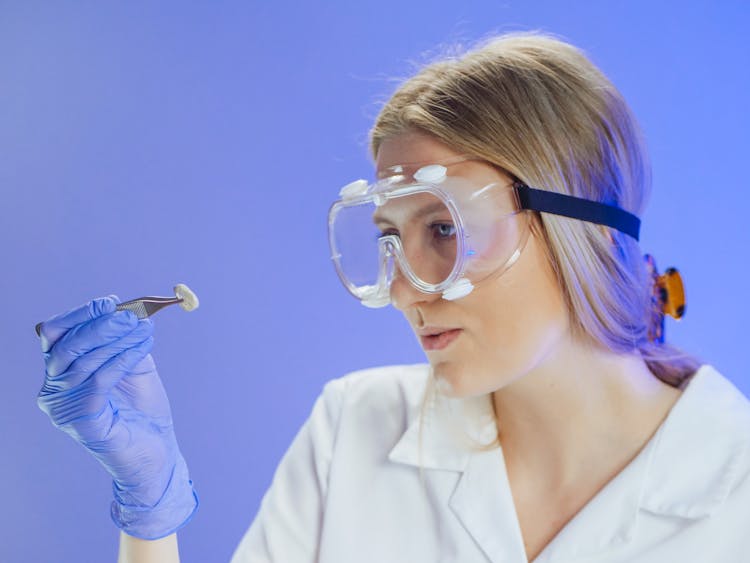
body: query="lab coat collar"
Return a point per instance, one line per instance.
(443, 437)
(687, 469)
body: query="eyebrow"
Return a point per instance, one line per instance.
(426, 210)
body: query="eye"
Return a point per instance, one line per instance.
(443, 230)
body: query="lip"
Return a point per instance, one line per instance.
(434, 340)
(432, 330)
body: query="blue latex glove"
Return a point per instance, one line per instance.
(101, 388)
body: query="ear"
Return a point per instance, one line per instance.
(537, 226)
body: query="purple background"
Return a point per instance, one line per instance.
(148, 143)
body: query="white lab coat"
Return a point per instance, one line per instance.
(348, 489)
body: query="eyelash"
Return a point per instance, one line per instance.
(433, 226)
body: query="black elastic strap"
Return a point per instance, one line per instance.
(579, 208)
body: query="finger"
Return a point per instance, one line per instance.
(84, 403)
(55, 327)
(84, 366)
(121, 365)
(83, 338)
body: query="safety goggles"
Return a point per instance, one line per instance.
(443, 232)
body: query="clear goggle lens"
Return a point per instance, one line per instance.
(434, 236)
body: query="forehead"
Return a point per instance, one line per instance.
(411, 147)
(410, 208)
(418, 148)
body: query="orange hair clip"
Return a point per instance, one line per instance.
(668, 298)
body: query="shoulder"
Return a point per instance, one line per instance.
(702, 457)
(719, 403)
(367, 411)
(380, 388)
(725, 413)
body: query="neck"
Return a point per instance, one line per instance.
(576, 411)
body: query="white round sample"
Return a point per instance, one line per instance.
(189, 299)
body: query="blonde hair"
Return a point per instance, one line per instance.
(536, 107)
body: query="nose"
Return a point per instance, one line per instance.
(404, 295)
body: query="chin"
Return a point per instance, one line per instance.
(455, 380)
(463, 380)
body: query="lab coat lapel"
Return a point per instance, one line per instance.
(608, 521)
(483, 503)
(451, 430)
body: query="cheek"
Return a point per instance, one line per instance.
(523, 316)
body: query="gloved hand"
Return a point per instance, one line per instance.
(101, 388)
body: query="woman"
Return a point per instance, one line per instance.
(552, 422)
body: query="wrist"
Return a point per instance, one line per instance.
(171, 512)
